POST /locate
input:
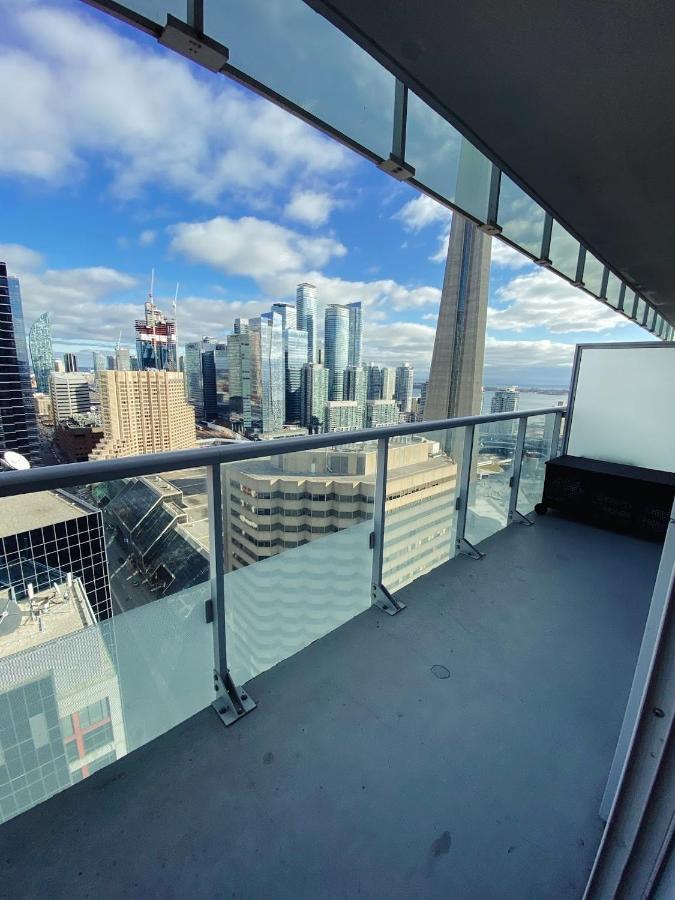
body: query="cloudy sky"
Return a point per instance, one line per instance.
(117, 156)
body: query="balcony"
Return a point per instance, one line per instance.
(463, 745)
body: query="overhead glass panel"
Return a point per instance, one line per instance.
(640, 310)
(629, 303)
(420, 512)
(651, 319)
(433, 147)
(593, 272)
(564, 252)
(157, 10)
(520, 218)
(289, 48)
(613, 290)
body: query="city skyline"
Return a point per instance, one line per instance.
(298, 209)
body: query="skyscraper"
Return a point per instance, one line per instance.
(18, 424)
(373, 382)
(403, 390)
(306, 316)
(313, 396)
(336, 340)
(388, 376)
(355, 387)
(201, 376)
(355, 333)
(70, 362)
(143, 412)
(122, 359)
(192, 370)
(456, 375)
(288, 314)
(156, 346)
(239, 365)
(268, 394)
(41, 351)
(69, 392)
(99, 361)
(295, 357)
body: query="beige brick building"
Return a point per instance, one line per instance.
(143, 412)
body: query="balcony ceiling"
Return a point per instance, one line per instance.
(574, 99)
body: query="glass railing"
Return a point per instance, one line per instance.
(289, 53)
(129, 598)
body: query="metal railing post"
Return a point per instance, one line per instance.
(515, 477)
(462, 504)
(231, 702)
(554, 449)
(380, 596)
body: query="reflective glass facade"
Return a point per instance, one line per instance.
(18, 425)
(355, 333)
(41, 351)
(295, 357)
(268, 394)
(239, 366)
(306, 316)
(336, 342)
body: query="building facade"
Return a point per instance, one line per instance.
(41, 351)
(305, 304)
(388, 382)
(355, 333)
(143, 412)
(70, 394)
(239, 367)
(70, 362)
(336, 344)
(156, 340)
(403, 389)
(313, 396)
(355, 388)
(296, 355)
(18, 423)
(268, 394)
(288, 314)
(381, 412)
(122, 359)
(341, 415)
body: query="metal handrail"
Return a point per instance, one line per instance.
(70, 474)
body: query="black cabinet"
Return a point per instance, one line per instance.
(610, 495)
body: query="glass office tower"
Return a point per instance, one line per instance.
(41, 351)
(18, 424)
(295, 357)
(306, 316)
(268, 400)
(355, 333)
(336, 340)
(239, 366)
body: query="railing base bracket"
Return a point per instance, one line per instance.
(231, 703)
(520, 519)
(466, 548)
(382, 598)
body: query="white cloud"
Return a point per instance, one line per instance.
(422, 211)
(310, 207)
(251, 246)
(543, 300)
(79, 87)
(505, 256)
(394, 342)
(19, 258)
(147, 237)
(527, 354)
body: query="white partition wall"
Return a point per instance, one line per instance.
(622, 404)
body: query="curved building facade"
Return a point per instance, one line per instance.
(41, 351)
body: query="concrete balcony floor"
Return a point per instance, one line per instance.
(362, 773)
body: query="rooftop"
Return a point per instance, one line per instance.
(467, 746)
(65, 610)
(19, 514)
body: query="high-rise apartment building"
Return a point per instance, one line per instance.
(296, 352)
(505, 400)
(456, 375)
(122, 359)
(403, 389)
(268, 394)
(381, 412)
(373, 382)
(70, 362)
(355, 388)
(336, 341)
(199, 369)
(41, 351)
(313, 396)
(355, 333)
(239, 366)
(70, 395)
(288, 314)
(388, 381)
(18, 424)
(99, 362)
(305, 304)
(341, 415)
(156, 341)
(143, 412)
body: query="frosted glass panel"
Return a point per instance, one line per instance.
(279, 605)
(489, 488)
(623, 408)
(420, 513)
(291, 49)
(99, 692)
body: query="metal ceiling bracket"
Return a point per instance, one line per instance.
(400, 170)
(179, 36)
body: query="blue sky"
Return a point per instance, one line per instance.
(118, 156)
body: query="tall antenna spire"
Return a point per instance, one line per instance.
(152, 285)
